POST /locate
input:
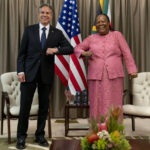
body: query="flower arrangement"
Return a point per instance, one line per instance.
(106, 133)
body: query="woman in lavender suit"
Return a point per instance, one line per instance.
(105, 50)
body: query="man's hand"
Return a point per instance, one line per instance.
(21, 77)
(133, 75)
(51, 51)
(86, 53)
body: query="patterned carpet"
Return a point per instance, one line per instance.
(30, 144)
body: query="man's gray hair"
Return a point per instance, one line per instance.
(46, 5)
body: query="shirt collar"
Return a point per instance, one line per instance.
(47, 27)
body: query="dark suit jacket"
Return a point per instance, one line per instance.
(31, 56)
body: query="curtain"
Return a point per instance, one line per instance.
(131, 17)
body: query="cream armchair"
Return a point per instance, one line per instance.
(11, 101)
(140, 97)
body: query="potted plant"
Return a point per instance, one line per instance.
(107, 133)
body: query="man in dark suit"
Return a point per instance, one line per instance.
(35, 68)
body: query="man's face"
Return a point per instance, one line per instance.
(45, 15)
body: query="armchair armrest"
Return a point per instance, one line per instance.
(5, 98)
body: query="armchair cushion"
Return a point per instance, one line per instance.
(136, 110)
(11, 85)
(14, 110)
(141, 96)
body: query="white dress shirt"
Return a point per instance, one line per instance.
(47, 30)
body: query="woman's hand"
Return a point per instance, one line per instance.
(133, 75)
(86, 53)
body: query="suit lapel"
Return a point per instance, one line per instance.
(37, 35)
(50, 34)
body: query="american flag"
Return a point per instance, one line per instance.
(70, 69)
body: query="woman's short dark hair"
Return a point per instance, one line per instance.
(105, 16)
(46, 5)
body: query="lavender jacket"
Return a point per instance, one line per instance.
(108, 50)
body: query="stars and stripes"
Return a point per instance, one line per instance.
(70, 69)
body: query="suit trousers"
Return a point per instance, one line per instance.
(27, 93)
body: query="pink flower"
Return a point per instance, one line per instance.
(110, 146)
(102, 126)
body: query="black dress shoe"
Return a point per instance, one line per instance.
(20, 143)
(41, 141)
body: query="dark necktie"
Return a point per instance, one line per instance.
(43, 37)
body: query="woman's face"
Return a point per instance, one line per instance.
(102, 25)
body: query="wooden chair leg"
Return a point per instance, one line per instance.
(49, 124)
(66, 120)
(2, 119)
(133, 123)
(9, 133)
(2, 113)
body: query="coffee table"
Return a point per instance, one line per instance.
(64, 144)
